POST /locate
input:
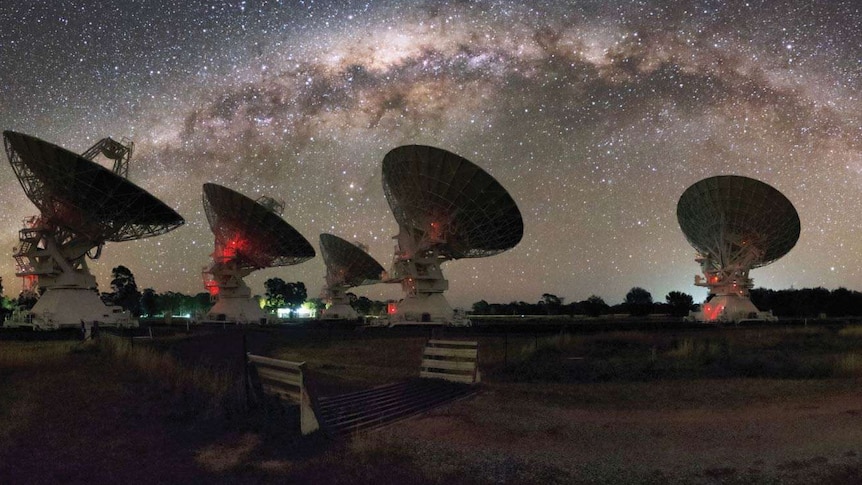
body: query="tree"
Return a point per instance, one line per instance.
(378, 307)
(551, 303)
(176, 303)
(594, 306)
(202, 302)
(6, 305)
(481, 307)
(124, 291)
(148, 302)
(27, 300)
(318, 304)
(679, 302)
(362, 305)
(843, 302)
(639, 302)
(280, 294)
(275, 291)
(296, 295)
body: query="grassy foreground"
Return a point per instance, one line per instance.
(723, 406)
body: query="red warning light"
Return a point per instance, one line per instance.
(711, 312)
(436, 231)
(234, 246)
(391, 308)
(30, 282)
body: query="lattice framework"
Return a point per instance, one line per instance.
(82, 198)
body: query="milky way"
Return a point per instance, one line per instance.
(594, 115)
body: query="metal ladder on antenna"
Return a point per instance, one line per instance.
(27, 237)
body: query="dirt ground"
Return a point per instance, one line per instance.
(63, 424)
(795, 441)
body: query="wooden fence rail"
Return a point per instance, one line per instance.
(451, 360)
(284, 379)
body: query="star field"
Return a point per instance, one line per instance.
(596, 116)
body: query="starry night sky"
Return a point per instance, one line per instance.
(595, 115)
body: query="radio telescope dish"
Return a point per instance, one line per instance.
(84, 197)
(249, 235)
(82, 206)
(447, 208)
(347, 266)
(735, 223)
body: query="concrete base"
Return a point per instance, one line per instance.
(730, 308)
(237, 310)
(339, 311)
(68, 308)
(425, 309)
(428, 308)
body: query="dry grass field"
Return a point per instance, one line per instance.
(736, 405)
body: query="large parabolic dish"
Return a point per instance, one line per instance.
(253, 235)
(249, 235)
(722, 215)
(84, 197)
(447, 208)
(452, 201)
(82, 205)
(736, 224)
(347, 266)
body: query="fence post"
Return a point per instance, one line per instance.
(245, 380)
(506, 352)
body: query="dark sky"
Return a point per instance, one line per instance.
(596, 116)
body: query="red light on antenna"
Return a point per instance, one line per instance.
(212, 287)
(711, 312)
(29, 282)
(234, 246)
(436, 230)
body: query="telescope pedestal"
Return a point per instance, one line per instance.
(236, 309)
(339, 311)
(70, 297)
(233, 304)
(423, 283)
(731, 308)
(69, 307)
(423, 308)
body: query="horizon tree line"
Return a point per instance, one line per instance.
(803, 303)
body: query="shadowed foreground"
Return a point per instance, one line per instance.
(73, 414)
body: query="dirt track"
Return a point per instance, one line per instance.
(795, 441)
